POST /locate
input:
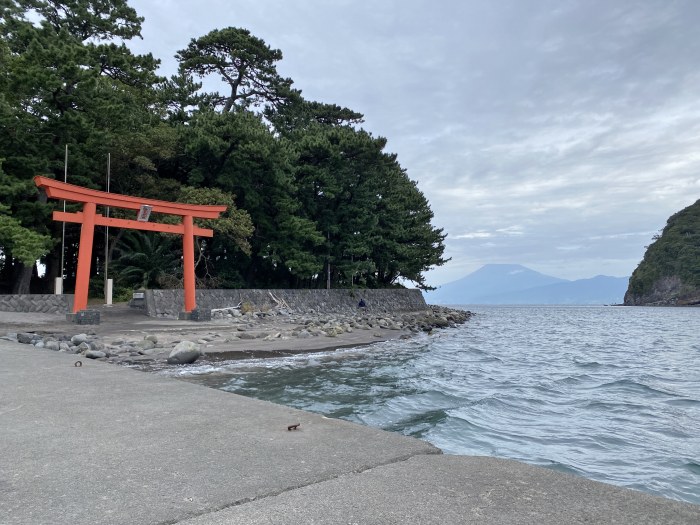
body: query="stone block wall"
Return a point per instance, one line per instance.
(169, 303)
(42, 303)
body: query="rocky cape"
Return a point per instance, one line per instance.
(669, 274)
(233, 333)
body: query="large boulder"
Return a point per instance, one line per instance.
(96, 345)
(52, 345)
(26, 338)
(78, 339)
(185, 352)
(145, 344)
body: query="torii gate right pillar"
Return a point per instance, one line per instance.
(188, 263)
(82, 277)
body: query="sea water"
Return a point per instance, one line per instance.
(609, 393)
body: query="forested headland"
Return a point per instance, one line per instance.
(311, 195)
(669, 274)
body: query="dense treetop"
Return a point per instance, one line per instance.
(670, 270)
(312, 196)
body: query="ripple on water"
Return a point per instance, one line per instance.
(693, 467)
(588, 364)
(405, 410)
(683, 402)
(626, 386)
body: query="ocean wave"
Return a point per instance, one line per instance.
(683, 402)
(693, 467)
(418, 423)
(586, 362)
(574, 379)
(597, 405)
(630, 385)
(558, 466)
(403, 410)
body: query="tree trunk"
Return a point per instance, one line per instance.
(24, 279)
(53, 269)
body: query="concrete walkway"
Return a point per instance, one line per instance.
(101, 444)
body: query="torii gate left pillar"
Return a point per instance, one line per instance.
(89, 218)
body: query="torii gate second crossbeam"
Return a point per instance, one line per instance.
(89, 218)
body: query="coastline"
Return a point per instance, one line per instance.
(127, 336)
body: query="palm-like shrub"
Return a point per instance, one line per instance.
(143, 260)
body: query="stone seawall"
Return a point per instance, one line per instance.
(41, 303)
(169, 303)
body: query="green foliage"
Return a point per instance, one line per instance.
(234, 224)
(19, 241)
(122, 294)
(674, 253)
(24, 244)
(143, 259)
(246, 63)
(64, 82)
(307, 192)
(298, 114)
(375, 221)
(100, 19)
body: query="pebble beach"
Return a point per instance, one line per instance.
(127, 336)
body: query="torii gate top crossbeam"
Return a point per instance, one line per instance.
(70, 192)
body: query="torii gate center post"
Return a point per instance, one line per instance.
(89, 218)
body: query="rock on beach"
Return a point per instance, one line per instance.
(185, 352)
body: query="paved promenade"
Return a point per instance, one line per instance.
(102, 444)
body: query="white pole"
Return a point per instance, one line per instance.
(108, 282)
(328, 282)
(63, 236)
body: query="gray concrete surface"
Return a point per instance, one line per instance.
(458, 489)
(101, 444)
(104, 444)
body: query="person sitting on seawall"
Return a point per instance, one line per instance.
(362, 303)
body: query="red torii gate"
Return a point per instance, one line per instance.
(88, 219)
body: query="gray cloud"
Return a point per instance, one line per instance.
(557, 134)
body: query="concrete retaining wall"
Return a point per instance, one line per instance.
(43, 303)
(169, 303)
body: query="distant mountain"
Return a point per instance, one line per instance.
(597, 290)
(490, 280)
(515, 284)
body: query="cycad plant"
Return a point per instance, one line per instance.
(144, 259)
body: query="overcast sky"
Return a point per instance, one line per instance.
(557, 134)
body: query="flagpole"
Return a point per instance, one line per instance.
(108, 291)
(63, 235)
